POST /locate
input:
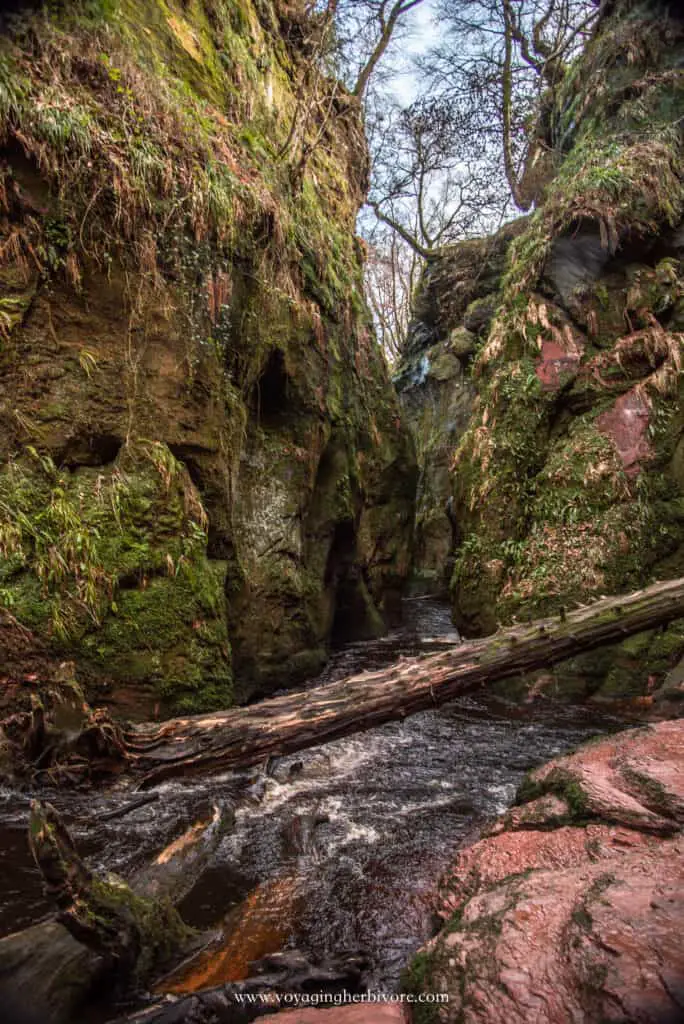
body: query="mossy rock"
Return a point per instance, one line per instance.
(462, 342)
(560, 481)
(112, 567)
(199, 301)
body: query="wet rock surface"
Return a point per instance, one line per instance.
(571, 906)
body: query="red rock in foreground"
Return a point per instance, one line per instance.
(572, 908)
(392, 1013)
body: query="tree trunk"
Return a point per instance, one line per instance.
(105, 928)
(282, 725)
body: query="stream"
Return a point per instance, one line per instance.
(339, 848)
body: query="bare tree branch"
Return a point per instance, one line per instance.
(387, 26)
(423, 251)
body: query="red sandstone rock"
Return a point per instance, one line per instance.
(556, 363)
(635, 778)
(495, 859)
(581, 922)
(392, 1013)
(626, 424)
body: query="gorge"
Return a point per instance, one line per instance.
(218, 503)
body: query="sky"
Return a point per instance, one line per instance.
(420, 30)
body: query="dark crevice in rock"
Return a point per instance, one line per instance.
(341, 552)
(576, 261)
(12, 9)
(184, 454)
(269, 397)
(355, 617)
(91, 450)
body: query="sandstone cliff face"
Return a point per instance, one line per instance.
(567, 482)
(453, 311)
(203, 470)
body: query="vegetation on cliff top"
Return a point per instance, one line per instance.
(550, 503)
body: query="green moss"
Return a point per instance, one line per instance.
(529, 790)
(582, 918)
(549, 513)
(114, 566)
(581, 914)
(160, 929)
(417, 979)
(563, 785)
(155, 140)
(174, 104)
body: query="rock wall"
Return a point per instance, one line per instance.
(204, 476)
(567, 482)
(455, 302)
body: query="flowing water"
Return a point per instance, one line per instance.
(337, 849)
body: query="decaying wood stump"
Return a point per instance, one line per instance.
(106, 929)
(54, 733)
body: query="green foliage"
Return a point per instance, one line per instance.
(64, 129)
(41, 528)
(115, 564)
(13, 90)
(182, 149)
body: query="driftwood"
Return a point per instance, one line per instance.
(103, 913)
(283, 725)
(106, 929)
(134, 805)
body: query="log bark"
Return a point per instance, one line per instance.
(247, 736)
(102, 912)
(106, 928)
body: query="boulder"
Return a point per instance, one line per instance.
(570, 907)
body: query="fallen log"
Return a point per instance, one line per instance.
(128, 928)
(282, 725)
(106, 929)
